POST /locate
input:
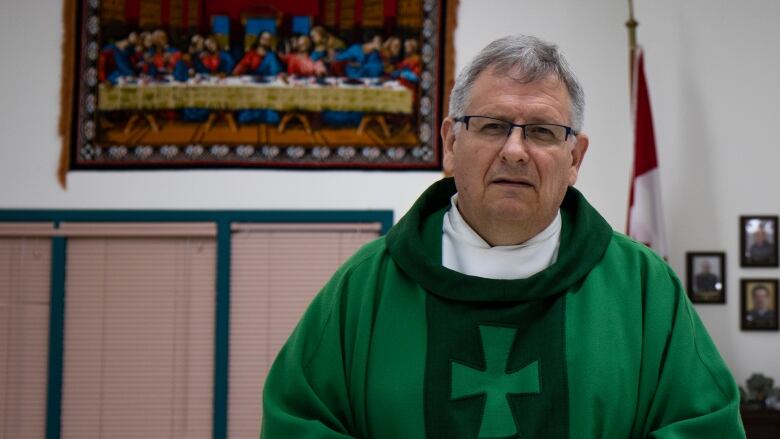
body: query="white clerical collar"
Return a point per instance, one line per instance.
(464, 251)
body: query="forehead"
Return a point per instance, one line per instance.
(510, 92)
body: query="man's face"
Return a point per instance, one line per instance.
(395, 46)
(317, 35)
(196, 43)
(373, 44)
(211, 45)
(303, 44)
(161, 38)
(760, 298)
(265, 40)
(512, 186)
(760, 236)
(410, 46)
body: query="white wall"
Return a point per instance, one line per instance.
(711, 67)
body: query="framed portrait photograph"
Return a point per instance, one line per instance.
(759, 304)
(758, 240)
(706, 273)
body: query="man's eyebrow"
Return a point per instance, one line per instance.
(495, 115)
(535, 118)
(525, 119)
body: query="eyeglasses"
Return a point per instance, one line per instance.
(496, 131)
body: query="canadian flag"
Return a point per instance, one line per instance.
(645, 212)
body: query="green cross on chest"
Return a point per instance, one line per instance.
(495, 382)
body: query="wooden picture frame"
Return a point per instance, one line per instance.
(706, 277)
(759, 304)
(138, 92)
(758, 241)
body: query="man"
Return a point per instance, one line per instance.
(300, 63)
(326, 45)
(761, 250)
(260, 59)
(115, 62)
(162, 57)
(363, 60)
(410, 68)
(214, 59)
(706, 280)
(503, 305)
(761, 315)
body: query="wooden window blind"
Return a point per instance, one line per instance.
(138, 357)
(276, 269)
(25, 266)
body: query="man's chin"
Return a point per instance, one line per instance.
(512, 211)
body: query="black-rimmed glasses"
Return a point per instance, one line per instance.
(497, 131)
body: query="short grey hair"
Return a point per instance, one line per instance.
(532, 59)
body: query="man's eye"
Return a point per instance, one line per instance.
(541, 132)
(493, 128)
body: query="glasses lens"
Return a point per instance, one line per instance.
(488, 127)
(543, 134)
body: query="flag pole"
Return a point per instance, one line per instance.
(645, 211)
(631, 24)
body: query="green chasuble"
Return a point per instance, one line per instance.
(602, 344)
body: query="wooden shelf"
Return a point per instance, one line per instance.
(761, 424)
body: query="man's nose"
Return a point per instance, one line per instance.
(515, 148)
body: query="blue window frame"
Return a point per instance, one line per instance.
(223, 220)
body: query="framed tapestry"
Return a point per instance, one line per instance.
(327, 84)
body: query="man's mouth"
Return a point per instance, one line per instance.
(513, 182)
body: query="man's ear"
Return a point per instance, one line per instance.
(577, 155)
(448, 140)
